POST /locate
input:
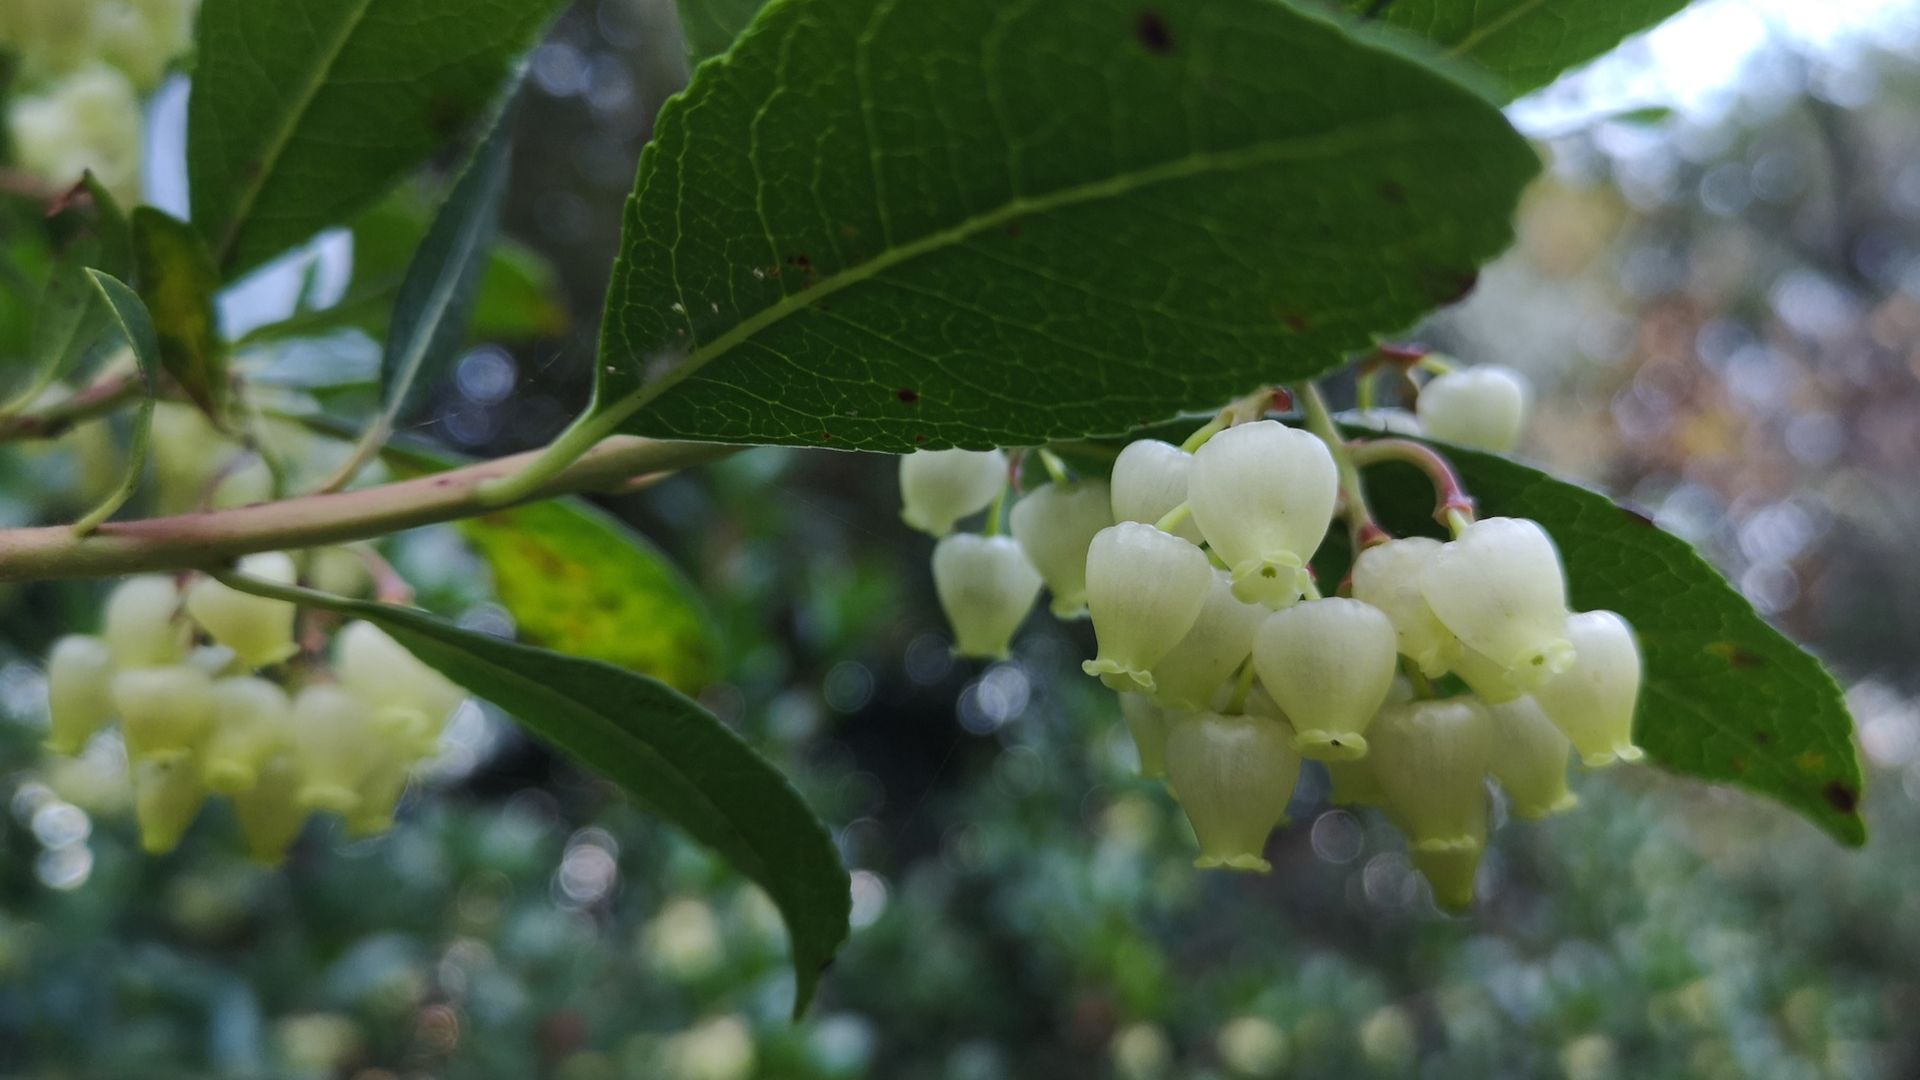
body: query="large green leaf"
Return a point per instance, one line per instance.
(884, 225)
(1727, 697)
(70, 313)
(125, 310)
(1526, 43)
(579, 581)
(711, 25)
(177, 281)
(663, 748)
(304, 112)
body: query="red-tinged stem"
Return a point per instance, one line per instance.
(1453, 507)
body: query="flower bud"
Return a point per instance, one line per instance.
(1483, 407)
(986, 587)
(253, 721)
(939, 487)
(140, 627)
(1451, 871)
(1500, 589)
(1388, 577)
(1149, 481)
(1145, 589)
(1530, 759)
(1054, 526)
(79, 691)
(1221, 638)
(166, 798)
(1431, 760)
(257, 629)
(1593, 701)
(337, 745)
(1233, 776)
(270, 812)
(1329, 664)
(1263, 495)
(1147, 723)
(165, 712)
(406, 696)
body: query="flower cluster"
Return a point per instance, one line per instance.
(84, 67)
(214, 695)
(1441, 664)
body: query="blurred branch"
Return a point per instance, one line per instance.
(213, 538)
(95, 400)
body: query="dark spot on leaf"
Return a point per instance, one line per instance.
(1150, 29)
(919, 438)
(799, 260)
(1739, 765)
(1840, 796)
(826, 436)
(446, 116)
(1013, 230)
(1447, 286)
(1734, 655)
(1394, 192)
(849, 231)
(1637, 515)
(1297, 323)
(1763, 737)
(907, 395)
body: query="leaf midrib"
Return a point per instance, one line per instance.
(1482, 33)
(1185, 167)
(251, 193)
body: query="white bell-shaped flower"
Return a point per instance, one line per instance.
(1055, 525)
(140, 627)
(1149, 481)
(1386, 420)
(337, 744)
(1500, 588)
(407, 697)
(257, 629)
(1263, 496)
(1353, 783)
(1221, 638)
(1452, 871)
(1147, 723)
(1431, 760)
(253, 721)
(1495, 684)
(1233, 776)
(270, 812)
(986, 587)
(1388, 577)
(380, 792)
(1482, 407)
(1530, 759)
(1593, 701)
(1329, 664)
(1145, 590)
(167, 796)
(79, 691)
(939, 487)
(165, 712)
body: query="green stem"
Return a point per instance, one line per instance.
(1056, 469)
(996, 514)
(1207, 431)
(104, 396)
(1453, 507)
(1242, 687)
(1353, 493)
(1172, 519)
(572, 444)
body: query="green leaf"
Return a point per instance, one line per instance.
(854, 231)
(579, 581)
(663, 748)
(519, 295)
(130, 314)
(1526, 43)
(711, 25)
(304, 112)
(1727, 697)
(178, 282)
(71, 314)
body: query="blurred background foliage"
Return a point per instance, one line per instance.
(1719, 301)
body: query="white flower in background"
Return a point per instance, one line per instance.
(1430, 758)
(1221, 638)
(253, 721)
(1388, 577)
(406, 697)
(1145, 590)
(337, 744)
(1147, 723)
(166, 798)
(141, 37)
(986, 587)
(1483, 407)
(79, 691)
(88, 120)
(1530, 757)
(259, 630)
(270, 812)
(1329, 665)
(140, 628)
(1263, 495)
(1500, 589)
(165, 712)
(1149, 480)
(1253, 1047)
(1386, 420)
(1233, 776)
(1054, 526)
(1593, 700)
(939, 487)
(717, 1049)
